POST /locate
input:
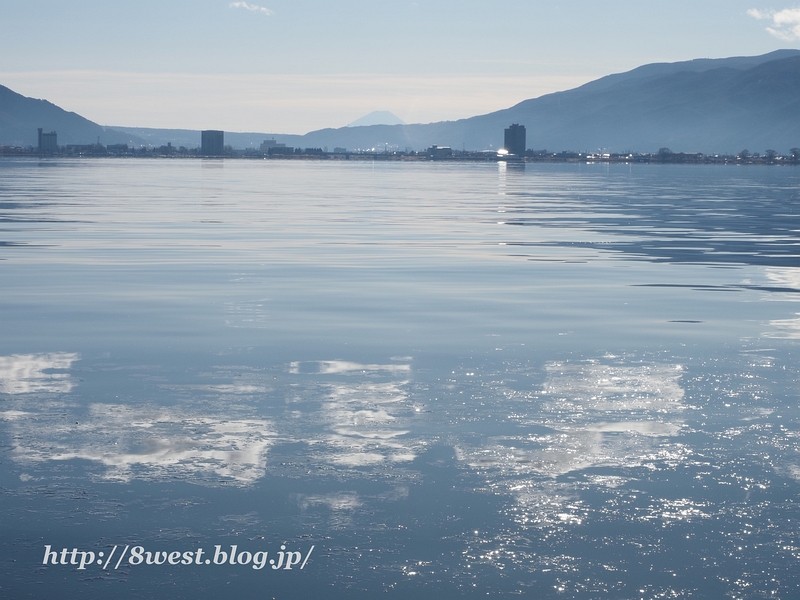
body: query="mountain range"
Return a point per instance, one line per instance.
(377, 117)
(703, 105)
(20, 117)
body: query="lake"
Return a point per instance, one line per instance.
(319, 379)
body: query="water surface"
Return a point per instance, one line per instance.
(453, 380)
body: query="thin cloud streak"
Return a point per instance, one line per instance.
(786, 22)
(252, 8)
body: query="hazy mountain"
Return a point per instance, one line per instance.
(377, 117)
(20, 117)
(707, 105)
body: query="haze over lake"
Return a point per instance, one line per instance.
(450, 380)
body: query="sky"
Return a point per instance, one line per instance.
(293, 66)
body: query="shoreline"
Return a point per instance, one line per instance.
(555, 158)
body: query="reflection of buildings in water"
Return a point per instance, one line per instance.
(25, 373)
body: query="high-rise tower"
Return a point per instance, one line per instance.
(212, 142)
(515, 140)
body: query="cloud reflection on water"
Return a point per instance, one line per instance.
(25, 373)
(356, 421)
(330, 367)
(129, 441)
(784, 329)
(597, 414)
(149, 443)
(362, 420)
(787, 278)
(359, 416)
(588, 415)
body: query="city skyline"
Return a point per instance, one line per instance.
(293, 67)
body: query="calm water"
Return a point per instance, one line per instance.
(451, 380)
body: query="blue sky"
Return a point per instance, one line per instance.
(290, 66)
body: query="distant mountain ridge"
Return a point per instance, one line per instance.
(20, 117)
(705, 105)
(377, 117)
(697, 65)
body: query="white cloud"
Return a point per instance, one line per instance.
(785, 23)
(251, 7)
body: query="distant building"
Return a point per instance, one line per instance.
(48, 142)
(280, 149)
(339, 150)
(212, 142)
(440, 151)
(118, 148)
(267, 145)
(168, 149)
(86, 149)
(514, 140)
